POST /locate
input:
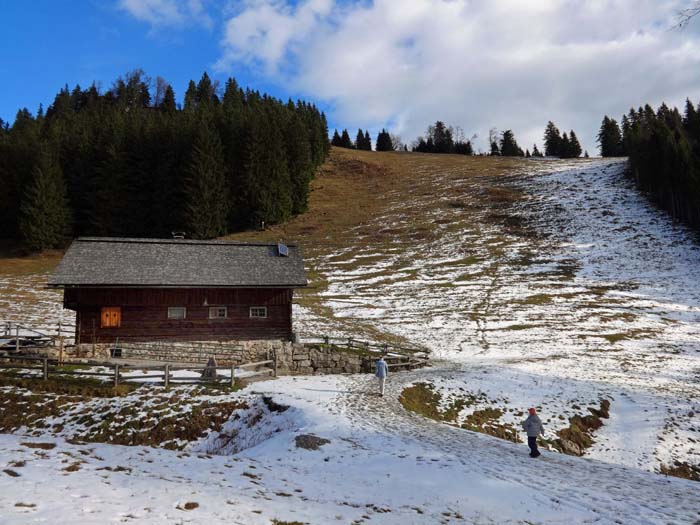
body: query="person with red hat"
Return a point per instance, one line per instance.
(533, 426)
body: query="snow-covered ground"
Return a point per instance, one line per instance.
(578, 291)
(377, 468)
(590, 294)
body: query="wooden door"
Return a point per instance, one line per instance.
(111, 317)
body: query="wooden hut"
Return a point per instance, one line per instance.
(179, 290)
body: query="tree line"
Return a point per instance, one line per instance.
(363, 141)
(663, 148)
(130, 162)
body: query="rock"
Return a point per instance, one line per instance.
(569, 447)
(310, 442)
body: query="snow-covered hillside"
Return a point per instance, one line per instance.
(557, 287)
(587, 293)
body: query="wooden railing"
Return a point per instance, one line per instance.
(396, 356)
(358, 344)
(115, 373)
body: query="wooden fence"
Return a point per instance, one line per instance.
(397, 356)
(357, 344)
(115, 372)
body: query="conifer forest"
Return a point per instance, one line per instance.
(663, 147)
(129, 162)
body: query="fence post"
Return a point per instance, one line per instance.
(116, 374)
(17, 338)
(326, 340)
(60, 344)
(274, 363)
(45, 368)
(233, 375)
(166, 375)
(93, 338)
(349, 342)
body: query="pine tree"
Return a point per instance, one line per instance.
(527, 153)
(574, 147)
(191, 100)
(45, 218)
(610, 138)
(299, 165)
(552, 140)
(495, 151)
(509, 147)
(345, 141)
(564, 146)
(168, 103)
(384, 141)
(336, 140)
(360, 140)
(368, 141)
(535, 151)
(207, 198)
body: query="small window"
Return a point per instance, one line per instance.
(218, 312)
(177, 312)
(258, 312)
(111, 317)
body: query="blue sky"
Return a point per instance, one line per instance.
(47, 44)
(478, 65)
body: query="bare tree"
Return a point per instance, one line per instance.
(396, 142)
(159, 93)
(493, 136)
(686, 15)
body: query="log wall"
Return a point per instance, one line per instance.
(144, 314)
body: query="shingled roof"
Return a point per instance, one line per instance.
(177, 263)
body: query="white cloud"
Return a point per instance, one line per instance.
(507, 63)
(167, 13)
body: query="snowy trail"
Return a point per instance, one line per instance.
(615, 493)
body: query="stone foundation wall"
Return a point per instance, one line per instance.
(292, 358)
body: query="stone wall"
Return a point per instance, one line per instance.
(292, 358)
(299, 359)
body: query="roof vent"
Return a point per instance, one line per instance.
(282, 250)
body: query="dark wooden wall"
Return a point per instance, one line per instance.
(144, 314)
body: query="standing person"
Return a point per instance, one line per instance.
(533, 426)
(382, 370)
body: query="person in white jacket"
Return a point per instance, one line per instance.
(382, 370)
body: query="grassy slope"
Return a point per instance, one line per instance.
(357, 199)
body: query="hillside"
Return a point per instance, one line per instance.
(535, 283)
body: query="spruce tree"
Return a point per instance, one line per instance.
(206, 209)
(495, 151)
(299, 165)
(574, 146)
(345, 141)
(384, 141)
(368, 141)
(360, 140)
(45, 218)
(336, 140)
(191, 99)
(509, 147)
(610, 138)
(168, 103)
(552, 140)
